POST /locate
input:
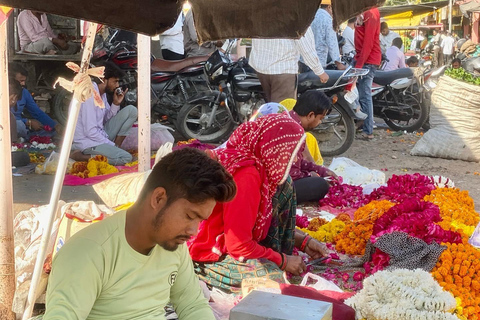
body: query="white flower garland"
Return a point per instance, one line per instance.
(43, 146)
(402, 295)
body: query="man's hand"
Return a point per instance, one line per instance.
(118, 98)
(34, 125)
(323, 77)
(340, 66)
(316, 249)
(59, 129)
(295, 265)
(62, 44)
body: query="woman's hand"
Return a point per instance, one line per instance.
(316, 249)
(295, 265)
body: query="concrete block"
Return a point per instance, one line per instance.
(270, 306)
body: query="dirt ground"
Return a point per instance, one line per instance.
(391, 154)
(388, 152)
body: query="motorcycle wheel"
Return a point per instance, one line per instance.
(192, 121)
(420, 114)
(336, 133)
(61, 105)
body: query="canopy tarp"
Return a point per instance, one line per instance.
(405, 19)
(469, 6)
(415, 9)
(214, 19)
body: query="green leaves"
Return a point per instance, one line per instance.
(462, 75)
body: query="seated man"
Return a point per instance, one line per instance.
(308, 178)
(412, 62)
(101, 131)
(130, 265)
(14, 94)
(38, 120)
(395, 56)
(36, 35)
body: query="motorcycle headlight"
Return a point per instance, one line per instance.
(217, 73)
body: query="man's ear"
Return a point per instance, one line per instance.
(311, 115)
(158, 198)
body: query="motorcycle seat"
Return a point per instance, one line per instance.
(333, 76)
(159, 65)
(386, 77)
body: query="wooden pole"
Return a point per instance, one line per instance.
(59, 176)
(144, 101)
(450, 14)
(7, 257)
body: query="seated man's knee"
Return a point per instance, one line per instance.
(132, 111)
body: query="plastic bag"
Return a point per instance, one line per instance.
(355, 174)
(475, 238)
(159, 135)
(51, 164)
(320, 284)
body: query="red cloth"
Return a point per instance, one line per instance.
(229, 227)
(269, 144)
(367, 39)
(340, 310)
(302, 168)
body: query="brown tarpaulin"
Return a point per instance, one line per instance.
(214, 19)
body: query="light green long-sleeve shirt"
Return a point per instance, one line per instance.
(97, 275)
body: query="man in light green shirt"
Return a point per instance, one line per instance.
(132, 264)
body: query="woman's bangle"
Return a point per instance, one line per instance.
(305, 242)
(283, 265)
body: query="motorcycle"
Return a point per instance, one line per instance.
(394, 101)
(173, 83)
(212, 116)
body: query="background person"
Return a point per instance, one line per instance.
(395, 56)
(386, 37)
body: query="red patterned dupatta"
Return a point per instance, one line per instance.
(270, 144)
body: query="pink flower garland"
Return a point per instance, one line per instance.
(417, 218)
(301, 222)
(400, 188)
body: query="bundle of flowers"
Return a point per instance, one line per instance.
(326, 232)
(36, 157)
(402, 294)
(418, 219)
(18, 146)
(454, 204)
(94, 167)
(42, 143)
(342, 196)
(458, 271)
(400, 188)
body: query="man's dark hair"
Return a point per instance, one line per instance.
(412, 60)
(14, 87)
(14, 68)
(457, 60)
(312, 101)
(192, 175)
(352, 20)
(383, 25)
(112, 70)
(397, 42)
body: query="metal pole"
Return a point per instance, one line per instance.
(450, 6)
(7, 256)
(144, 101)
(59, 176)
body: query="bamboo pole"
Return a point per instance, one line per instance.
(7, 257)
(59, 175)
(144, 102)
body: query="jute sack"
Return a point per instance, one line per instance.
(455, 122)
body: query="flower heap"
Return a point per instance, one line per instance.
(402, 294)
(353, 239)
(42, 143)
(458, 271)
(344, 196)
(400, 188)
(94, 167)
(324, 232)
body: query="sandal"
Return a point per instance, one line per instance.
(366, 137)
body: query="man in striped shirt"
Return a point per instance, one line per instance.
(276, 63)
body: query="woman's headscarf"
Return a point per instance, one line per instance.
(270, 144)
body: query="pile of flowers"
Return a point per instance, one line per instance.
(403, 294)
(42, 143)
(426, 208)
(36, 157)
(94, 167)
(18, 146)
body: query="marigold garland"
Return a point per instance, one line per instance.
(455, 204)
(458, 271)
(327, 232)
(94, 167)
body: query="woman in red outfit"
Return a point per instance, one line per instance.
(254, 235)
